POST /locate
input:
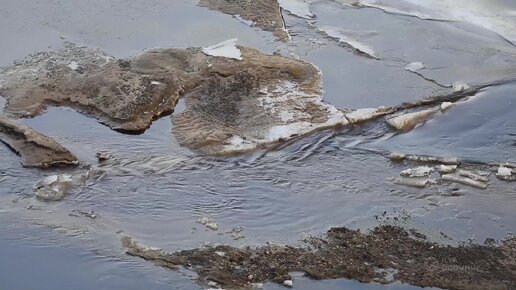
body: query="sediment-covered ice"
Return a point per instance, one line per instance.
(225, 49)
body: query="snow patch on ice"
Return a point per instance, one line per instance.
(414, 66)
(224, 49)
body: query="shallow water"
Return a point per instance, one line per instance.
(154, 190)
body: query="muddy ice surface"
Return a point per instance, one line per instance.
(381, 57)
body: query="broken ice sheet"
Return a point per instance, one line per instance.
(345, 37)
(449, 52)
(478, 129)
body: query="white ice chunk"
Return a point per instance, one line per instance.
(408, 121)
(504, 171)
(443, 169)
(73, 65)
(224, 49)
(452, 177)
(445, 106)
(418, 171)
(460, 86)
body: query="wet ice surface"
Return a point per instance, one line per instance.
(482, 128)
(121, 28)
(155, 190)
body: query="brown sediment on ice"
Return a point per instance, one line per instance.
(233, 104)
(36, 149)
(119, 94)
(254, 103)
(265, 14)
(383, 255)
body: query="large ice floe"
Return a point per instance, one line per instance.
(236, 98)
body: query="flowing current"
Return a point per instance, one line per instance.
(155, 190)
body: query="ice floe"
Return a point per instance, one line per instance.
(505, 173)
(454, 177)
(408, 121)
(420, 171)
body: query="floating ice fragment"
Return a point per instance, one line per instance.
(419, 182)
(396, 156)
(431, 159)
(453, 177)
(212, 226)
(420, 171)
(444, 169)
(406, 122)
(208, 222)
(224, 49)
(53, 188)
(472, 175)
(445, 106)
(505, 173)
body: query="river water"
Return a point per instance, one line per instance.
(154, 190)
